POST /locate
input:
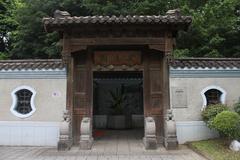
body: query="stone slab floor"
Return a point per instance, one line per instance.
(108, 145)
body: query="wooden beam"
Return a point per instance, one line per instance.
(159, 47)
(117, 41)
(78, 48)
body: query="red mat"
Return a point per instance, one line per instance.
(98, 133)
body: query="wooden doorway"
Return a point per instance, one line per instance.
(117, 101)
(148, 64)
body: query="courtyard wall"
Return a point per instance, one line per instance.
(41, 128)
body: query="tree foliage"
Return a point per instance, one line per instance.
(215, 31)
(7, 25)
(30, 40)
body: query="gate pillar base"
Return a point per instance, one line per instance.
(150, 142)
(65, 140)
(170, 140)
(64, 145)
(86, 139)
(86, 144)
(171, 143)
(150, 138)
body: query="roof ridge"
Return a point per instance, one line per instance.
(210, 59)
(29, 60)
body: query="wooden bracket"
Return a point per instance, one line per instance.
(65, 57)
(169, 57)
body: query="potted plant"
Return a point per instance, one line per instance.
(117, 119)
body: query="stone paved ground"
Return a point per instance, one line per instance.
(114, 145)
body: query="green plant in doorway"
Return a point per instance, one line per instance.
(118, 101)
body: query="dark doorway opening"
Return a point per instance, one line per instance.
(117, 101)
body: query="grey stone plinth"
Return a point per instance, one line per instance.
(171, 143)
(64, 145)
(150, 142)
(170, 140)
(86, 144)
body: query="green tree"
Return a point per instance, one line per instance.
(30, 40)
(128, 7)
(215, 31)
(7, 24)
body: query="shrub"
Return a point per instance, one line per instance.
(211, 111)
(227, 123)
(237, 108)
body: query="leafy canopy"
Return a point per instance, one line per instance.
(215, 31)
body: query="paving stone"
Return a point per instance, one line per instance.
(117, 145)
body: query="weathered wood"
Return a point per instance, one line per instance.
(69, 98)
(169, 42)
(129, 58)
(158, 47)
(117, 68)
(109, 31)
(117, 41)
(89, 84)
(153, 89)
(91, 46)
(146, 86)
(153, 61)
(165, 65)
(66, 48)
(82, 106)
(78, 48)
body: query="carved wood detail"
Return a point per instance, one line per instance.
(106, 58)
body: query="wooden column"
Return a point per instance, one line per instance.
(156, 82)
(153, 90)
(69, 64)
(166, 59)
(82, 94)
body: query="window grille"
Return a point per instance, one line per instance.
(23, 101)
(213, 96)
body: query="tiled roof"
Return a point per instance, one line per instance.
(64, 18)
(31, 64)
(206, 63)
(56, 64)
(118, 20)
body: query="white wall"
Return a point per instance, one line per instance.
(29, 133)
(190, 126)
(49, 107)
(42, 127)
(194, 86)
(193, 131)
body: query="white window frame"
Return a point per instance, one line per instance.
(222, 97)
(14, 102)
